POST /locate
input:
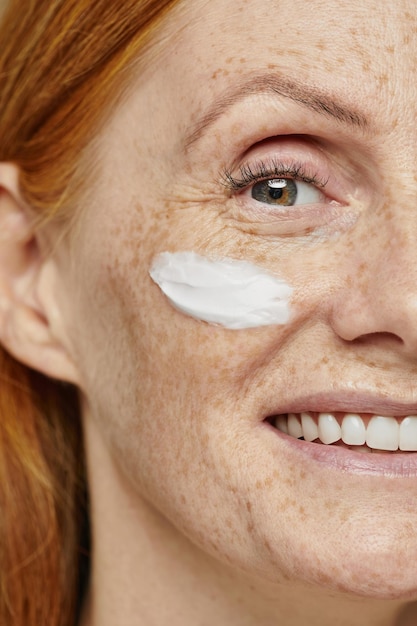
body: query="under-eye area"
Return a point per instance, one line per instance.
(355, 431)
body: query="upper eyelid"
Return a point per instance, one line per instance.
(273, 85)
(262, 170)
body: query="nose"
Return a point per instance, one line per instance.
(378, 299)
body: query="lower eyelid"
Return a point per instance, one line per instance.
(250, 210)
(292, 222)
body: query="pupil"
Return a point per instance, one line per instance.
(276, 194)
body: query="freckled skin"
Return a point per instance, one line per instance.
(193, 499)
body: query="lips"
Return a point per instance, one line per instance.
(362, 432)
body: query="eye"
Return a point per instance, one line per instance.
(286, 192)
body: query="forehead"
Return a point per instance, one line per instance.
(366, 49)
(291, 26)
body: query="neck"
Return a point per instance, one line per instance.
(145, 571)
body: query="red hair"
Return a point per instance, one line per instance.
(63, 65)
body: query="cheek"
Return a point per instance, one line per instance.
(169, 396)
(177, 402)
(231, 293)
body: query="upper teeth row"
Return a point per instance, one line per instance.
(381, 433)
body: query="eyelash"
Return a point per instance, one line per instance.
(263, 170)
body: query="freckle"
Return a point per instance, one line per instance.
(323, 578)
(229, 60)
(261, 257)
(248, 506)
(286, 503)
(361, 268)
(242, 60)
(258, 484)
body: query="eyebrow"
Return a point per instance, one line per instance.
(307, 96)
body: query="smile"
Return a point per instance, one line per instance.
(359, 432)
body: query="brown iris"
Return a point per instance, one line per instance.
(279, 191)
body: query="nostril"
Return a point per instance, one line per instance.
(378, 338)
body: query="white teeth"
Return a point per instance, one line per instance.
(310, 430)
(294, 426)
(329, 429)
(408, 433)
(382, 433)
(281, 423)
(353, 430)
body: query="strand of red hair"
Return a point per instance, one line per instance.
(64, 64)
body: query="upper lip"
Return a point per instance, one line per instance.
(347, 401)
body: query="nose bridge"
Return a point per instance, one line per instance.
(393, 258)
(380, 288)
(395, 251)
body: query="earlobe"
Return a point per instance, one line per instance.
(29, 324)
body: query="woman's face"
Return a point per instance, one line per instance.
(323, 93)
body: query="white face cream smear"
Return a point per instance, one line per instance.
(234, 294)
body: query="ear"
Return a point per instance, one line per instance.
(31, 327)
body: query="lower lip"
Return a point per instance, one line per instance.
(398, 465)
